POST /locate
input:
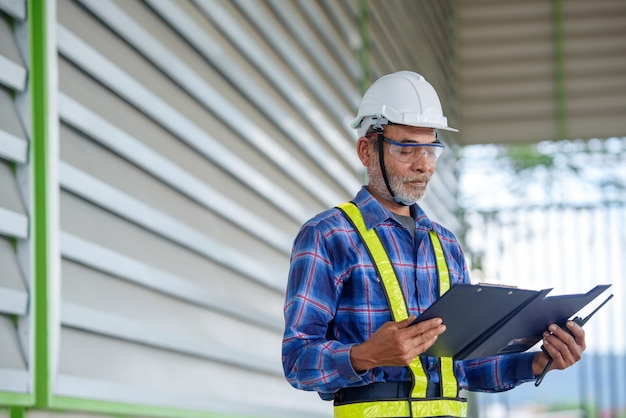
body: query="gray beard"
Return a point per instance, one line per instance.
(404, 193)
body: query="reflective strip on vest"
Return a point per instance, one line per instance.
(419, 406)
(422, 408)
(448, 379)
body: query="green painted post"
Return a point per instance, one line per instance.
(17, 412)
(39, 154)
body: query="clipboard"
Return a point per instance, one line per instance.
(487, 320)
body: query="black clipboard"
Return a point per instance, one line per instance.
(486, 320)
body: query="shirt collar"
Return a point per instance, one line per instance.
(374, 213)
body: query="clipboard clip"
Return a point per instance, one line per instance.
(580, 321)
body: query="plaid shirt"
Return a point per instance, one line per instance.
(335, 300)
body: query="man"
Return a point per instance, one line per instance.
(362, 272)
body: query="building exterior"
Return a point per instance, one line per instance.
(156, 161)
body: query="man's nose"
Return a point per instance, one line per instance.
(423, 163)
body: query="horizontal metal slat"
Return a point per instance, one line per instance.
(13, 148)
(12, 75)
(14, 376)
(15, 8)
(13, 143)
(12, 72)
(13, 217)
(13, 292)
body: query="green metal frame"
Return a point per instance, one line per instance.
(16, 399)
(37, 31)
(119, 408)
(17, 412)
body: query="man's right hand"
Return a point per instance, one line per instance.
(396, 343)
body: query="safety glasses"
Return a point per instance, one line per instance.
(410, 152)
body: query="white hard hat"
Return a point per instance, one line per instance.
(403, 97)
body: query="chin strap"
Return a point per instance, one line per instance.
(402, 201)
(381, 160)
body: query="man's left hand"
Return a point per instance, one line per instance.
(565, 348)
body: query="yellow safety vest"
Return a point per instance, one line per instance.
(418, 405)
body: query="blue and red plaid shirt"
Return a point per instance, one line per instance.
(335, 300)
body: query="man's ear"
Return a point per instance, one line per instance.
(364, 150)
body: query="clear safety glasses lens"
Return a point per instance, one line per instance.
(410, 152)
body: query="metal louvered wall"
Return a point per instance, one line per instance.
(14, 199)
(194, 137)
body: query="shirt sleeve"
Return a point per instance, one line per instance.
(498, 373)
(311, 361)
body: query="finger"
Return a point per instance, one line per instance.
(407, 322)
(577, 331)
(564, 353)
(561, 334)
(425, 326)
(424, 341)
(550, 352)
(557, 357)
(575, 340)
(429, 336)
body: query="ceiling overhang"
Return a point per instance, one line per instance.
(540, 70)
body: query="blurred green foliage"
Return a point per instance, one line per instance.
(527, 156)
